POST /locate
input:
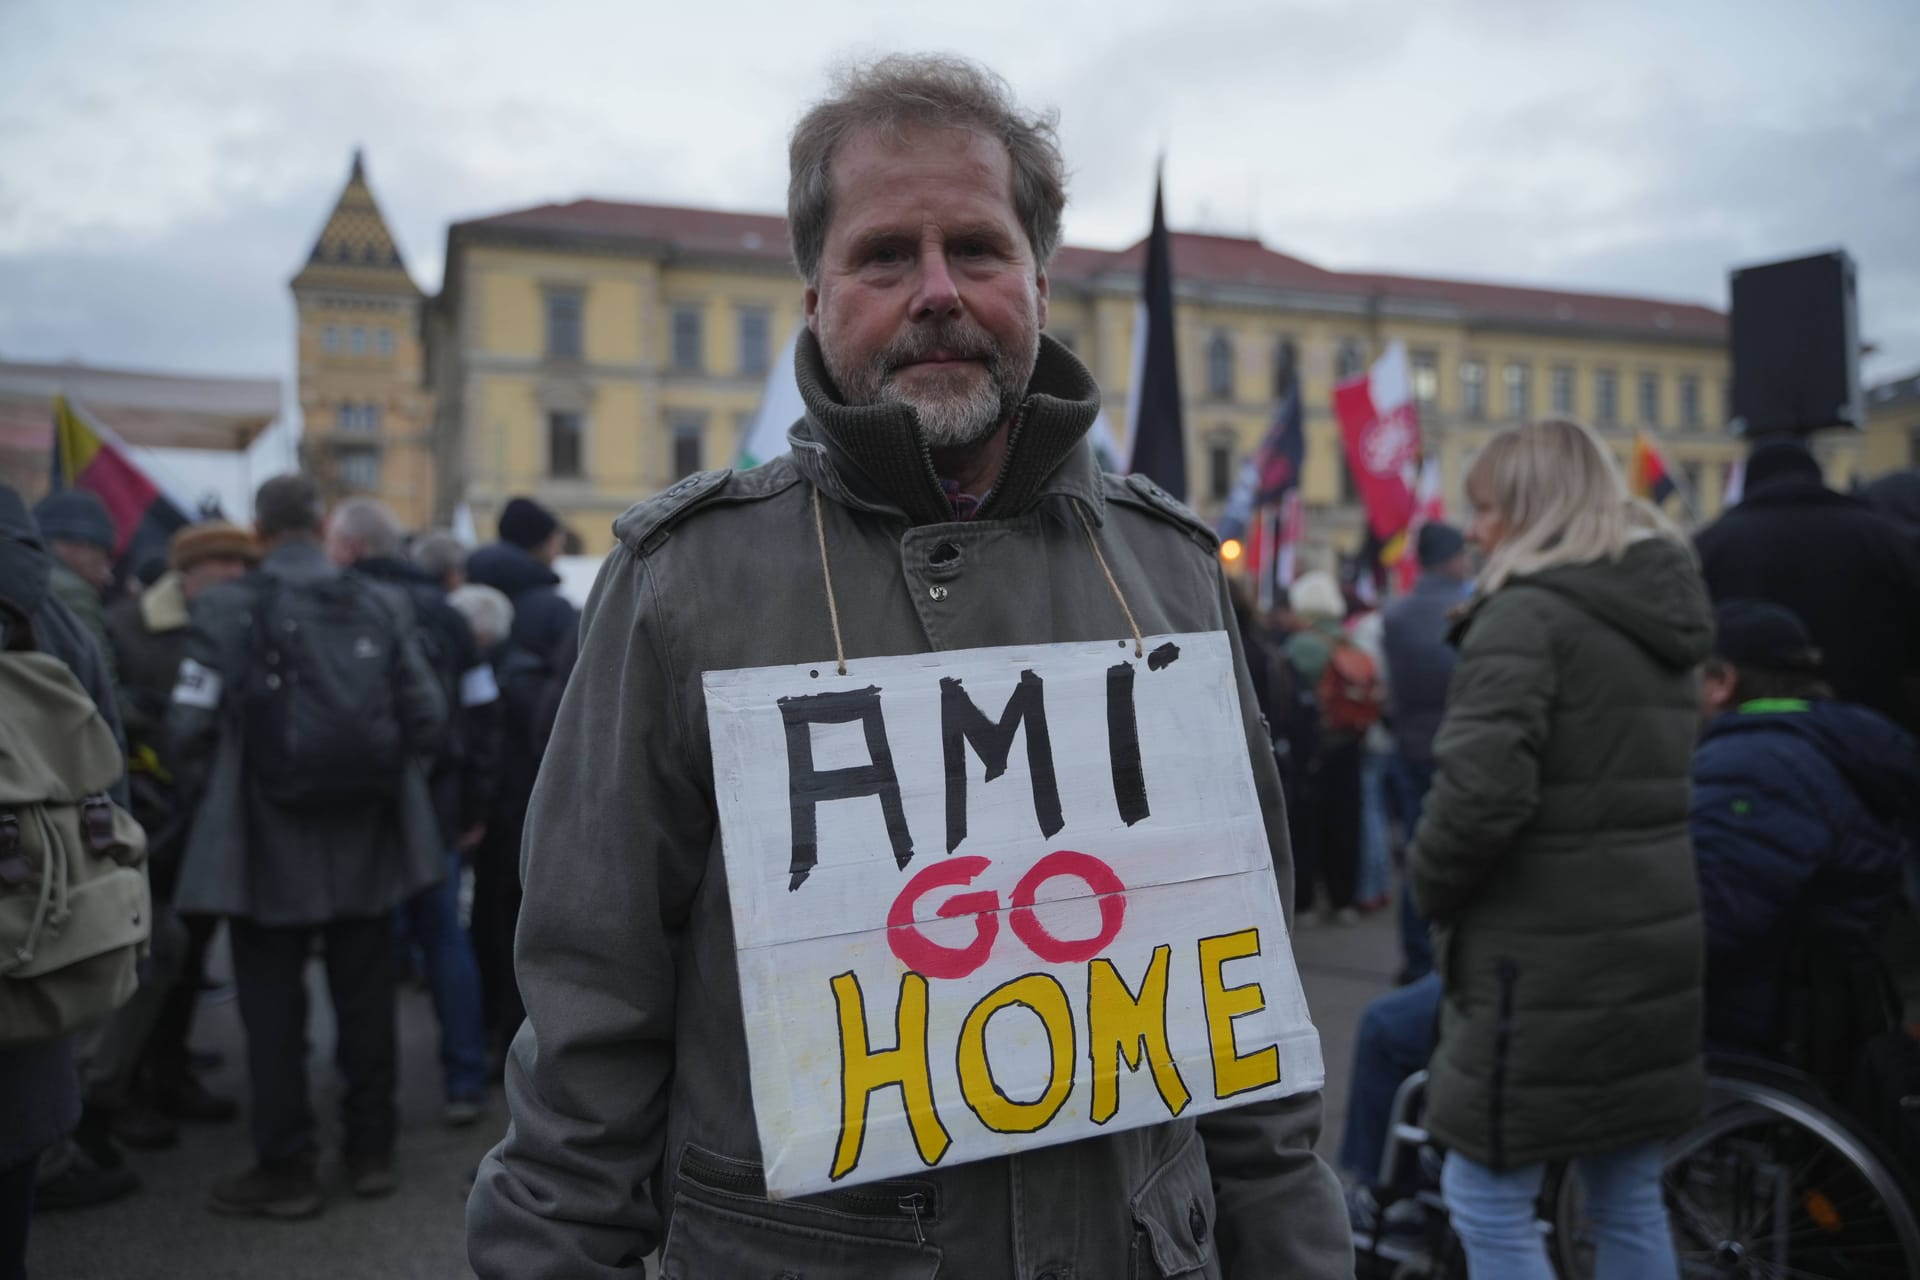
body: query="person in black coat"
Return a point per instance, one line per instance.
(1850, 575)
(531, 666)
(364, 537)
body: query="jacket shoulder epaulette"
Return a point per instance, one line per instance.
(1143, 494)
(646, 524)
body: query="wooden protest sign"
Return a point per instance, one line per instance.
(995, 899)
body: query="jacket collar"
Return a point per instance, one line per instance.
(874, 457)
(301, 560)
(163, 606)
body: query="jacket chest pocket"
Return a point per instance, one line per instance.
(1173, 1216)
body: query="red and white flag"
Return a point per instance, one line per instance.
(1381, 429)
(1430, 507)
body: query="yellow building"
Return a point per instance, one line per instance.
(591, 353)
(363, 397)
(1892, 438)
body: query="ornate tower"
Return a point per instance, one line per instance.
(363, 394)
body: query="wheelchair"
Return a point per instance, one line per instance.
(1774, 1180)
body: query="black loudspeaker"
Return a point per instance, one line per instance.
(1796, 347)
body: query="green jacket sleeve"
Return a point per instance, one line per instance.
(1487, 785)
(618, 839)
(1281, 1212)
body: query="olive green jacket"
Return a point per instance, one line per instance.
(1553, 858)
(633, 1121)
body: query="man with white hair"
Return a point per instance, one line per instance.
(940, 495)
(365, 538)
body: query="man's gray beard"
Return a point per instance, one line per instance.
(954, 420)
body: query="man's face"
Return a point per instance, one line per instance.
(93, 564)
(1719, 687)
(928, 293)
(211, 573)
(552, 549)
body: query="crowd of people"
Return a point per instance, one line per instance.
(322, 725)
(1642, 791)
(1652, 800)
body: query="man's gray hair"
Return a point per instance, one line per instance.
(487, 611)
(370, 524)
(439, 553)
(938, 91)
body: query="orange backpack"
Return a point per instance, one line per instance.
(1349, 690)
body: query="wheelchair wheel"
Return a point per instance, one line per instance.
(1771, 1183)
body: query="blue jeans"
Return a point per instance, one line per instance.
(1395, 1038)
(432, 918)
(1493, 1214)
(1376, 867)
(1408, 782)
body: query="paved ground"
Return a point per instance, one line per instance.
(167, 1232)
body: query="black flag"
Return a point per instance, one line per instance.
(1159, 445)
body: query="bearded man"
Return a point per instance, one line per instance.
(939, 496)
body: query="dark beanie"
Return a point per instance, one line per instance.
(1437, 544)
(75, 515)
(526, 524)
(1780, 460)
(1756, 633)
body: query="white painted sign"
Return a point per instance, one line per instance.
(996, 899)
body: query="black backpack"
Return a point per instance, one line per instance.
(321, 713)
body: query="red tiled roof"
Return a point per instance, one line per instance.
(1210, 259)
(690, 230)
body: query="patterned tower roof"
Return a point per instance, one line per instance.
(355, 249)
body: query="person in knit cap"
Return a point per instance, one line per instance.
(536, 649)
(148, 634)
(79, 534)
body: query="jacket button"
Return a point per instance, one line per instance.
(940, 593)
(1197, 1223)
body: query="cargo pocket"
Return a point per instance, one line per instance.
(723, 1226)
(1173, 1219)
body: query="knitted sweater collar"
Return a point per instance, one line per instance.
(879, 453)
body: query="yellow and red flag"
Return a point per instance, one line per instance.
(88, 455)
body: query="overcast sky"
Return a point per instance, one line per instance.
(165, 167)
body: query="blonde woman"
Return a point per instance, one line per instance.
(1553, 859)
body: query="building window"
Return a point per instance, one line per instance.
(347, 416)
(1286, 366)
(1219, 467)
(1689, 402)
(742, 424)
(689, 435)
(1563, 391)
(383, 341)
(1348, 359)
(688, 339)
(1220, 367)
(565, 309)
(357, 341)
(1426, 381)
(1349, 488)
(566, 439)
(1519, 379)
(1726, 400)
(1606, 397)
(360, 470)
(330, 339)
(1690, 480)
(1650, 399)
(1473, 389)
(756, 341)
